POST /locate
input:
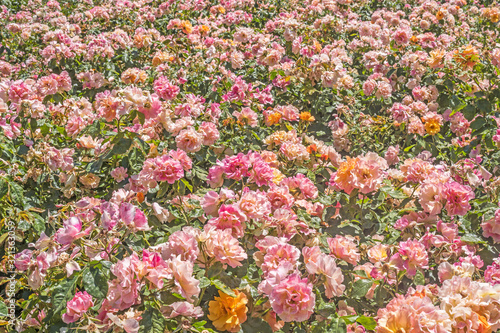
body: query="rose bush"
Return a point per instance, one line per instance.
(245, 166)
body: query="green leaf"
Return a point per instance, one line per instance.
(215, 270)
(484, 106)
(368, 322)
(38, 223)
(256, 325)
(478, 123)
(205, 282)
(350, 319)
(141, 117)
(163, 189)
(4, 311)
(152, 321)
(61, 294)
(186, 183)
(361, 273)
(120, 148)
(469, 112)
(95, 282)
(419, 279)
(199, 324)
(361, 287)
(16, 194)
(393, 192)
(471, 238)
(337, 325)
(4, 187)
(222, 287)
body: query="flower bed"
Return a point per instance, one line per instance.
(245, 166)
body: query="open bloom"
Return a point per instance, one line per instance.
(293, 299)
(344, 248)
(230, 217)
(228, 313)
(325, 265)
(77, 307)
(224, 247)
(71, 230)
(365, 173)
(457, 198)
(411, 256)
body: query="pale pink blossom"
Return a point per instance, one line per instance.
(255, 205)
(325, 265)
(247, 117)
(209, 132)
(189, 140)
(182, 243)
(225, 248)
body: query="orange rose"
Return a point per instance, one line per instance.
(432, 127)
(484, 326)
(273, 118)
(306, 116)
(228, 313)
(186, 26)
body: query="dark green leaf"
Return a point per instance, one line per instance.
(120, 148)
(4, 187)
(256, 325)
(361, 287)
(152, 321)
(95, 282)
(16, 194)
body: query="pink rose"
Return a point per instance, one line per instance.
(457, 198)
(167, 169)
(292, 299)
(165, 89)
(119, 174)
(492, 272)
(224, 247)
(70, 231)
(344, 248)
(209, 132)
(77, 307)
(491, 227)
(411, 256)
(189, 140)
(230, 217)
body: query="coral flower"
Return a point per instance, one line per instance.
(228, 313)
(468, 57)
